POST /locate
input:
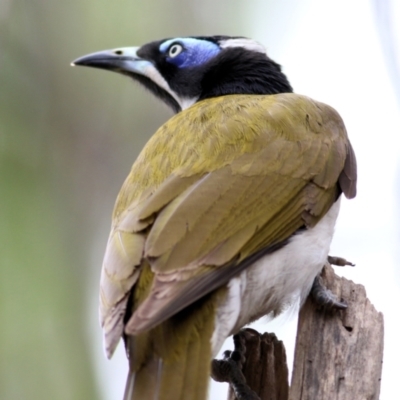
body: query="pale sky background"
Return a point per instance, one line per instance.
(332, 52)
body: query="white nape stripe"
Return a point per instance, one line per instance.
(248, 44)
(186, 102)
(152, 73)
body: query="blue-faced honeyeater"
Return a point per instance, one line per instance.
(227, 214)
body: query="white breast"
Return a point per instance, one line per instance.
(275, 280)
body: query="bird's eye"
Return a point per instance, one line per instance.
(175, 50)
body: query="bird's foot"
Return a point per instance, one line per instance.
(339, 261)
(229, 369)
(324, 297)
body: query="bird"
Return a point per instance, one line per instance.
(227, 214)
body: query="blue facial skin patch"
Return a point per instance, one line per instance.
(195, 51)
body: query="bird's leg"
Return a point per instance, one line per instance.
(323, 296)
(229, 369)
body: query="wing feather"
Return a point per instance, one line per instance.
(120, 271)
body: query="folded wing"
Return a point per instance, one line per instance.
(224, 182)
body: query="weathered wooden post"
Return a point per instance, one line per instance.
(265, 368)
(338, 355)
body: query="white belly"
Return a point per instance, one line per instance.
(275, 280)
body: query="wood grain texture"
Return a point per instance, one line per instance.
(265, 368)
(338, 355)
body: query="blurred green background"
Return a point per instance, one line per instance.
(68, 137)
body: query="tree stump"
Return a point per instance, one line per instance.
(265, 368)
(338, 355)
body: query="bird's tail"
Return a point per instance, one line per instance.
(173, 360)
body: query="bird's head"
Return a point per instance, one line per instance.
(181, 71)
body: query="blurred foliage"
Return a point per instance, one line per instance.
(67, 139)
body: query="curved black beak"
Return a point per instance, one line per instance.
(120, 60)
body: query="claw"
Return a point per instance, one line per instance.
(229, 369)
(324, 297)
(339, 261)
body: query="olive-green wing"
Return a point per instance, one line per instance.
(245, 178)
